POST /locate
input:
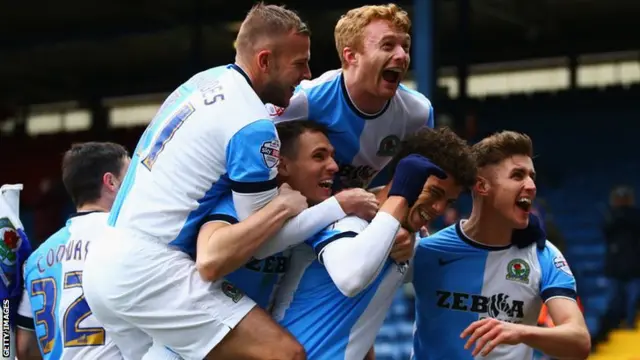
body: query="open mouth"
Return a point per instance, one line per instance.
(326, 184)
(524, 203)
(424, 215)
(392, 75)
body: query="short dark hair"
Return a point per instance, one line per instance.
(289, 133)
(84, 165)
(444, 148)
(502, 145)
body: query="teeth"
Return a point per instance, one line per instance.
(326, 183)
(524, 200)
(424, 215)
(395, 69)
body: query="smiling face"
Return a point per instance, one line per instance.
(385, 53)
(310, 168)
(288, 66)
(436, 197)
(511, 189)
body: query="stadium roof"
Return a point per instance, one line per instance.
(74, 49)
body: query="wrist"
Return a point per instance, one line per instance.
(341, 198)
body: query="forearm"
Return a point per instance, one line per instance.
(230, 247)
(301, 227)
(353, 263)
(566, 341)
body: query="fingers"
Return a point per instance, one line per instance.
(492, 343)
(471, 328)
(285, 186)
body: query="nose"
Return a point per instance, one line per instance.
(332, 166)
(306, 74)
(400, 54)
(439, 207)
(530, 186)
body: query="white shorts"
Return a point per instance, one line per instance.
(131, 281)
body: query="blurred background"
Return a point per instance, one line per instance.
(565, 72)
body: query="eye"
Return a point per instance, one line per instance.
(387, 46)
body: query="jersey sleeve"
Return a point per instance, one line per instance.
(349, 226)
(25, 315)
(223, 211)
(252, 157)
(298, 108)
(557, 278)
(430, 118)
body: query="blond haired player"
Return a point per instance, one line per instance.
(366, 108)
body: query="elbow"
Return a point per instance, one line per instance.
(350, 285)
(209, 268)
(583, 350)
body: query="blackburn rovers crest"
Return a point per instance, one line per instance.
(10, 244)
(389, 146)
(518, 270)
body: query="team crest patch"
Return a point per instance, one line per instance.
(231, 291)
(270, 151)
(10, 244)
(275, 110)
(389, 146)
(562, 264)
(518, 270)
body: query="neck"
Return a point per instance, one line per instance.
(363, 100)
(252, 74)
(487, 227)
(94, 206)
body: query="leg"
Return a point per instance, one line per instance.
(158, 290)
(257, 336)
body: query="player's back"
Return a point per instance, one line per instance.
(364, 143)
(469, 281)
(180, 165)
(64, 324)
(327, 323)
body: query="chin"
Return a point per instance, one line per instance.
(521, 224)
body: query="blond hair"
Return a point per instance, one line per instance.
(349, 30)
(264, 22)
(502, 145)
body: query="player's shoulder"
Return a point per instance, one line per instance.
(413, 102)
(58, 238)
(327, 79)
(228, 87)
(550, 255)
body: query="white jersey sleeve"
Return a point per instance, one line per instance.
(354, 251)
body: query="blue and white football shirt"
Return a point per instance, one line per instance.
(458, 281)
(53, 301)
(327, 323)
(364, 143)
(211, 136)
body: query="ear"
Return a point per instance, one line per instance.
(264, 59)
(349, 56)
(284, 167)
(108, 181)
(481, 186)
